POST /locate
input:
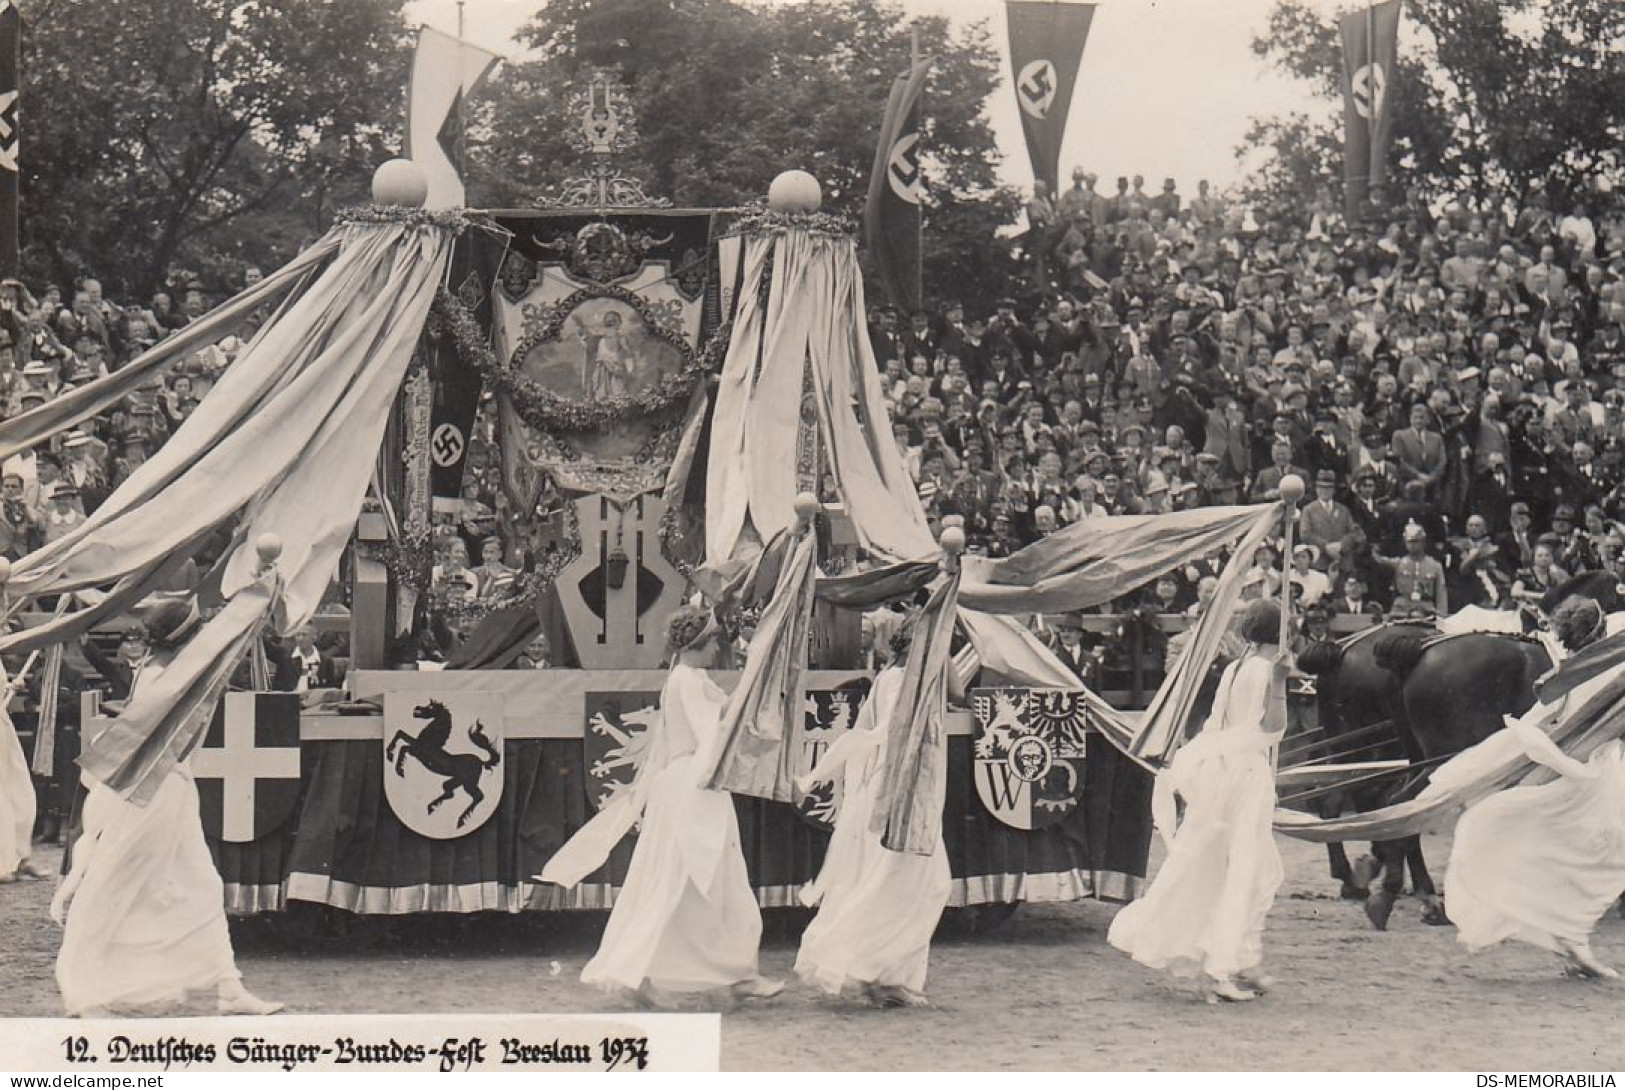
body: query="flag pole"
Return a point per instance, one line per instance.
(462, 125)
(919, 117)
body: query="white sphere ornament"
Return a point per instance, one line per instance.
(1292, 488)
(952, 540)
(795, 191)
(400, 182)
(269, 547)
(807, 506)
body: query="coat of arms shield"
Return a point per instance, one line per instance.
(1030, 751)
(828, 714)
(615, 740)
(443, 760)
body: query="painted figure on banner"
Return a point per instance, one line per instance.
(686, 919)
(877, 908)
(1203, 914)
(607, 364)
(143, 907)
(1030, 751)
(443, 760)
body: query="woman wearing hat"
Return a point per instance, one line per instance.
(144, 922)
(686, 919)
(1204, 912)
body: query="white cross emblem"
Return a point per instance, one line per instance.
(1368, 86)
(239, 764)
(446, 445)
(903, 168)
(1035, 88)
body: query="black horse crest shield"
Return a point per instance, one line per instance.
(443, 760)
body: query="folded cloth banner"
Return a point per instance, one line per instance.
(169, 711)
(286, 443)
(1091, 563)
(1499, 761)
(81, 403)
(1163, 726)
(801, 311)
(757, 755)
(913, 786)
(289, 432)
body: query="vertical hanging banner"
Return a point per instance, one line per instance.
(457, 381)
(1370, 52)
(891, 218)
(445, 71)
(10, 139)
(1046, 47)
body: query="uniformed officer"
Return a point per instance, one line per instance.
(1419, 588)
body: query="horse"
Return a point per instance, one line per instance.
(1354, 694)
(462, 771)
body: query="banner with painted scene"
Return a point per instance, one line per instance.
(598, 323)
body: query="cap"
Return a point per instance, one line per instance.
(1413, 532)
(1326, 476)
(1564, 513)
(1519, 508)
(36, 368)
(63, 491)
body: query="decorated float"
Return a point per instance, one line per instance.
(674, 402)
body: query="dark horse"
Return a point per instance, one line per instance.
(1442, 695)
(461, 770)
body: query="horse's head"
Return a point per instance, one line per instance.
(1600, 586)
(430, 709)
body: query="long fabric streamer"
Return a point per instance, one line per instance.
(759, 727)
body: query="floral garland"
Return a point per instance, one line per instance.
(763, 221)
(545, 410)
(410, 560)
(451, 219)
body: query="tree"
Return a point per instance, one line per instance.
(727, 95)
(1491, 96)
(162, 132)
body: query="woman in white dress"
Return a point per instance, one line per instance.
(17, 803)
(1204, 912)
(877, 909)
(1541, 863)
(686, 919)
(143, 908)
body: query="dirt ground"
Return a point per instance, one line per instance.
(1042, 992)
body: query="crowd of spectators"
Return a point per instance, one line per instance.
(1449, 382)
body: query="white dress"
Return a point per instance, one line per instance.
(1538, 862)
(1204, 911)
(877, 909)
(16, 795)
(686, 919)
(143, 907)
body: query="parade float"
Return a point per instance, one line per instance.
(677, 402)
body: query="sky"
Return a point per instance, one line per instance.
(1166, 88)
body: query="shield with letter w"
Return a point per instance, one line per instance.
(1030, 752)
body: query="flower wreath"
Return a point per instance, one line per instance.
(545, 410)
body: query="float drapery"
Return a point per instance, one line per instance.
(285, 443)
(800, 313)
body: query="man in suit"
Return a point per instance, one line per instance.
(1491, 494)
(1419, 452)
(1325, 522)
(1351, 598)
(1519, 540)
(119, 670)
(1268, 485)
(1070, 646)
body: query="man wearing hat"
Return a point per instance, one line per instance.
(65, 513)
(1351, 599)
(1575, 551)
(884, 337)
(84, 468)
(1325, 522)
(1267, 486)
(118, 670)
(1419, 580)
